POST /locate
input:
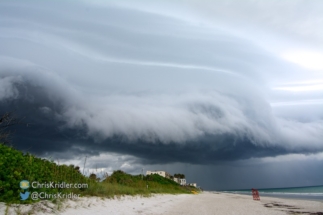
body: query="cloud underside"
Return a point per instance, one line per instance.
(199, 127)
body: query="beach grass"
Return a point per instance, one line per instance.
(121, 183)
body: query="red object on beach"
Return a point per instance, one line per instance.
(255, 194)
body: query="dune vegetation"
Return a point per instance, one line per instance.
(16, 166)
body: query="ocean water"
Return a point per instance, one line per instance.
(309, 193)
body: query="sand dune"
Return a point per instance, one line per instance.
(204, 203)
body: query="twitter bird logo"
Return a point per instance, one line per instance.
(24, 196)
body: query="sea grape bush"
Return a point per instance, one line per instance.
(16, 166)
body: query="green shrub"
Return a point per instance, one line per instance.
(16, 166)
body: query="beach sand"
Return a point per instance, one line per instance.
(224, 203)
(204, 203)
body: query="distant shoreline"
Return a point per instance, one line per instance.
(309, 197)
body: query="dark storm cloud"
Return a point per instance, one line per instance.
(49, 131)
(253, 173)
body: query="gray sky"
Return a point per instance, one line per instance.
(217, 90)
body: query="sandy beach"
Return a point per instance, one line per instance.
(204, 203)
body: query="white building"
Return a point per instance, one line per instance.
(176, 180)
(161, 173)
(182, 181)
(192, 184)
